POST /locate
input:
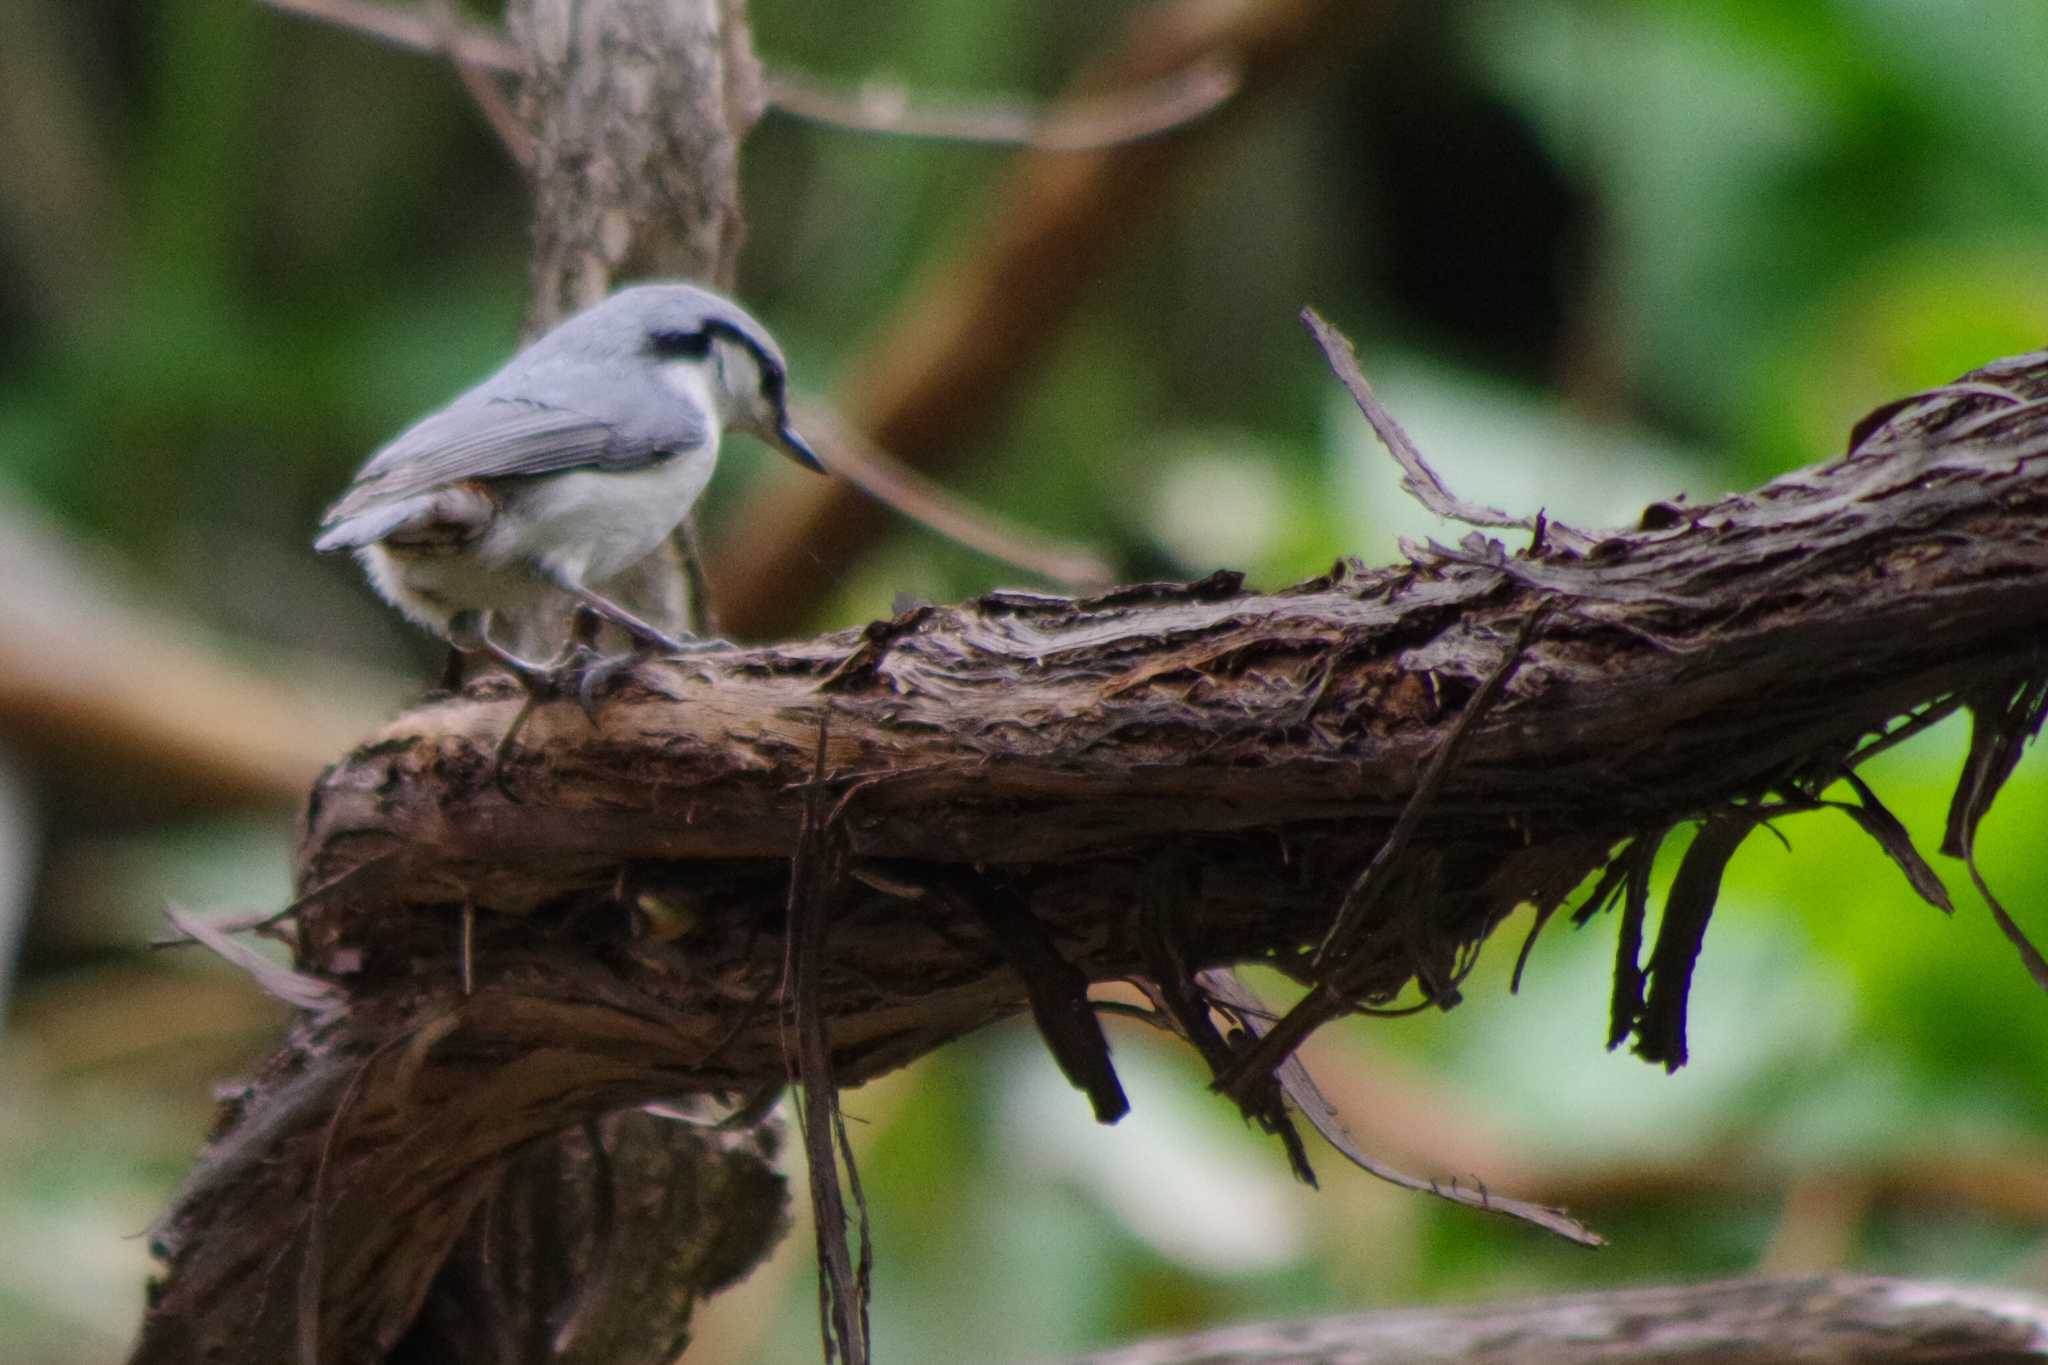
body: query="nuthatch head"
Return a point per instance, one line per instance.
(567, 466)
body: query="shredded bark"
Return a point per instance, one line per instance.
(1166, 780)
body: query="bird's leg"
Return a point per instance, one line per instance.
(469, 633)
(451, 669)
(647, 637)
(583, 672)
(583, 628)
(644, 635)
(579, 651)
(580, 662)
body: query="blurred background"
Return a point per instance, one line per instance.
(1595, 253)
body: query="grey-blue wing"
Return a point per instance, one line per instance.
(490, 439)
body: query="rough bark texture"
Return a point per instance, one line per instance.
(638, 111)
(1196, 766)
(1820, 1320)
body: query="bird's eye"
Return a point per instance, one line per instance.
(672, 345)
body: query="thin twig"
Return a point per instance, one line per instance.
(858, 460)
(1080, 125)
(877, 107)
(1364, 894)
(817, 871)
(1231, 994)
(270, 919)
(475, 45)
(481, 83)
(1324, 1000)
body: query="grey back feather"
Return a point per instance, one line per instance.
(485, 439)
(588, 395)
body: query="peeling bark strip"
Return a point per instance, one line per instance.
(1232, 759)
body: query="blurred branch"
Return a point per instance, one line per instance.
(874, 107)
(1079, 125)
(938, 374)
(62, 209)
(481, 83)
(865, 465)
(483, 47)
(91, 677)
(1815, 1320)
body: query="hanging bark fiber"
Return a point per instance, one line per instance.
(1354, 779)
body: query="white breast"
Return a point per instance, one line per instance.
(591, 524)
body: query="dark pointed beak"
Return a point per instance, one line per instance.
(797, 448)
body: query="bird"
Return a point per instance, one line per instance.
(574, 461)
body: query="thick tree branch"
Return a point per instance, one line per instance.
(1242, 754)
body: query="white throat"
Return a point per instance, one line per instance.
(695, 382)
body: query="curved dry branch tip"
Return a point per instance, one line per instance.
(1231, 994)
(1417, 477)
(1891, 834)
(1079, 125)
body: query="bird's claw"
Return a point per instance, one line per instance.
(578, 674)
(595, 675)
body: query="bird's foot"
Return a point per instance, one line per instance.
(593, 676)
(566, 676)
(579, 674)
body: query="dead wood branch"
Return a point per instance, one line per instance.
(1816, 1320)
(1078, 126)
(874, 107)
(1242, 754)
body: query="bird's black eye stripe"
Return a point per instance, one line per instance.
(676, 345)
(772, 378)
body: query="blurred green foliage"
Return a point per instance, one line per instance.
(1595, 253)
